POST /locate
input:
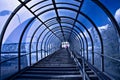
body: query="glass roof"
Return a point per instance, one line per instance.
(90, 23)
(50, 11)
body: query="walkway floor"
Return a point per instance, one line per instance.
(60, 58)
(58, 66)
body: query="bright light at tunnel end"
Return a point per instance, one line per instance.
(65, 44)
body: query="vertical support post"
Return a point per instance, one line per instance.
(36, 56)
(83, 63)
(19, 62)
(30, 58)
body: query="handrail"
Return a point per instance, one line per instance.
(105, 77)
(85, 76)
(20, 56)
(18, 43)
(101, 75)
(12, 58)
(81, 69)
(107, 56)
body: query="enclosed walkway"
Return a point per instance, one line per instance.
(59, 39)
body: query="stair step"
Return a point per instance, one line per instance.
(48, 76)
(52, 72)
(55, 64)
(90, 72)
(76, 78)
(54, 69)
(87, 69)
(93, 77)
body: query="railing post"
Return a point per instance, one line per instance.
(83, 64)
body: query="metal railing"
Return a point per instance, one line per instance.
(81, 67)
(21, 55)
(105, 56)
(108, 57)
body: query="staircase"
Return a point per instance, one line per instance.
(58, 66)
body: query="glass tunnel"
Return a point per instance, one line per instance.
(31, 30)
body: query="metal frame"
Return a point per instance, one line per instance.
(96, 28)
(76, 16)
(71, 36)
(93, 62)
(58, 18)
(37, 28)
(107, 12)
(76, 34)
(84, 38)
(37, 17)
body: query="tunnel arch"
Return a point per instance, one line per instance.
(60, 33)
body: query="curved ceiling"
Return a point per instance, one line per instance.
(54, 21)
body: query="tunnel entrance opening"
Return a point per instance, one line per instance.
(65, 44)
